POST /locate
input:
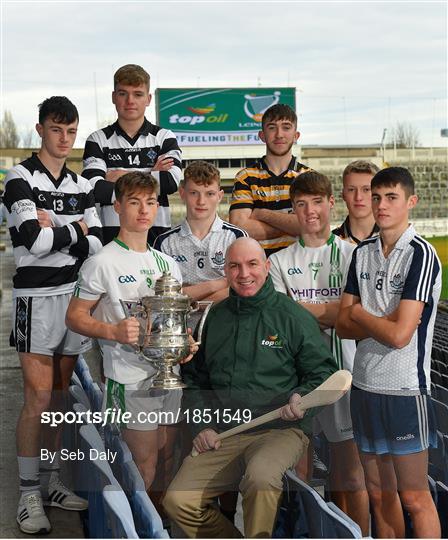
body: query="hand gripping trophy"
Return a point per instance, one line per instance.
(164, 338)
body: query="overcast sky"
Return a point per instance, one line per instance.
(359, 67)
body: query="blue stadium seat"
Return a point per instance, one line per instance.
(95, 474)
(436, 377)
(95, 396)
(322, 520)
(146, 518)
(437, 460)
(442, 507)
(441, 394)
(113, 440)
(75, 380)
(444, 380)
(79, 396)
(118, 513)
(441, 410)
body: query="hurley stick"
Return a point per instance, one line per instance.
(327, 393)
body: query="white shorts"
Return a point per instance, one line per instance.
(146, 407)
(335, 421)
(39, 326)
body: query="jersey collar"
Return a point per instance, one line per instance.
(41, 167)
(348, 231)
(328, 242)
(291, 166)
(143, 130)
(124, 246)
(185, 229)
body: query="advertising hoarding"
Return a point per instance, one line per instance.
(217, 116)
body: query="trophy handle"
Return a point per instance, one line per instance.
(208, 305)
(134, 309)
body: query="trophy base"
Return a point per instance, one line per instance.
(167, 381)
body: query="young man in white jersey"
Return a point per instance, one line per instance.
(54, 227)
(199, 243)
(132, 143)
(312, 271)
(126, 269)
(389, 306)
(360, 223)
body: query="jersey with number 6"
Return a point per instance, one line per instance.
(316, 275)
(199, 259)
(119, 273)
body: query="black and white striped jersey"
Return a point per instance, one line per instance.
(111, 148)
(48, 258)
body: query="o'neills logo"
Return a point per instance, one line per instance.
(405, 437)
(272, 341)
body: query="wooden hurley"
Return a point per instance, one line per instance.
(327, 393)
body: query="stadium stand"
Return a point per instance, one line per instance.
(305, 514)
(95, 475)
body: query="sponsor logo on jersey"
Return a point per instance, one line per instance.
(364, 275)
(397, 282)
(407, 437)
(22, 206)
(273, 342)
(315, 265)
(261, 193)
(127, 279)
(41, 197)
(180, 258)
(200, 254)
(381, 273)
(89, 160)
(296, 270)
(330, 292)
(219, 258)
(113, 157)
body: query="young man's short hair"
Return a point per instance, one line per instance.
(310, 183)
(134, 182)
(392, 176)
(59, 109)
(360, 166)
(131, 75)
(201, 173)
(279, 112)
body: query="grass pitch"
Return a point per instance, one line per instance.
(441, 245)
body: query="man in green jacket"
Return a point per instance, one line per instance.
(259, 350)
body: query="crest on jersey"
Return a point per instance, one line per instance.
(219, 258)
(73, 202)
(152, 155)
(396, 282)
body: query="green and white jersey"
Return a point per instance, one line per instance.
(316, 275)
(118, 273)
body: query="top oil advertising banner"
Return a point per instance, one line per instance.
(217, 116)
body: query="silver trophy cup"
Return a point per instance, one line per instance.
(164, 337)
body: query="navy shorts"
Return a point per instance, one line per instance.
(385, 424)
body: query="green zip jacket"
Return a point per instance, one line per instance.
(255, 352)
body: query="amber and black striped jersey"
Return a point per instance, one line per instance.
(48, 258)
(111, 148)
(257, 187)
